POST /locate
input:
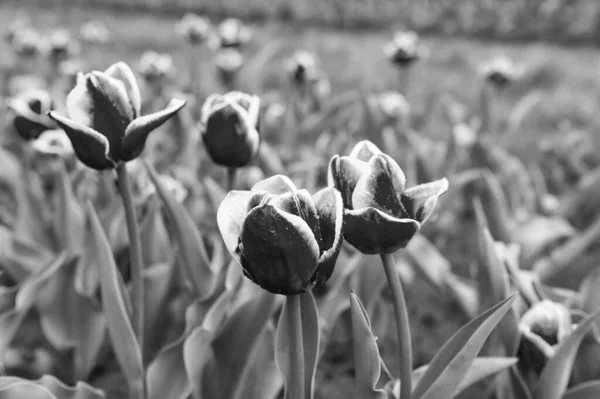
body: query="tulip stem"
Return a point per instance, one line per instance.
(135, 255)
(402, 325)
(231, 175)
(296, 347)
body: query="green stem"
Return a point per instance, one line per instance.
(231, 175)
(404, 79)
(296, 347)
(402, 325)
(135, 255)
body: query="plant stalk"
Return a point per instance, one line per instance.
(135, 255)
(231, 177)
(296, 346)
(402, 325)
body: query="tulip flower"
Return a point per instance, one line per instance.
(286, 241)
(229, 125)
(303, 67)
(30, 109)
(105, 125)
(500, 71)
(54, 142)
(233, 33)
(94, 32)
(61, 45)
(404, 49)
(381, 216)
(155, 67)
(543, 327)
(194, 28)
(229, 61)
(27, 42)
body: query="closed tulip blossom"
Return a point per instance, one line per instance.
(500, 71)
(54, 142)
(286, 240)
(381, 215)
(104, 124)
(233, 33)
(30, 109)
(404, 48)
(194, 28)
(229, 125)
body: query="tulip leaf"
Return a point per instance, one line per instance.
(481, 368)
(156, 247)
(193, 255)
(47, 386)
(554, 379)
(31, 221)
(587, 390)
(590, 295)
(10, 322)
(368, 283)
(158, 286)
(451, 364)
(367, 361)
(121, 333)
(233, 347)
(21, 256)
(297, 345)
(25, 389)
(69, 220)
(215, 193)
(8, 298)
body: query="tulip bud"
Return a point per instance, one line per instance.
(155, 68)
(105, 126)
(404, 49)
(30, 109)
(94, 32)
(233, 33)
(543, 327)
(194, 28)
(229, 125)
(61, 45)
(380, 215)
(27, 42)
(500, 71)
(303, 67)
(286, 241)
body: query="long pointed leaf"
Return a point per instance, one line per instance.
(587, 390)
(452, 362)
(121, 333)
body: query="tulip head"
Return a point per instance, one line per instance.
(500, 71)
(61, 45)
(94, 32)
(286, 241)
(380, 216)
(30, 109)
(27, 42)
(303, 67)
(194, 28)
(104, 121)
(156, 68)
(404, 49)
(229, 126)
(543, 327)
(232, 33)
(229, 61)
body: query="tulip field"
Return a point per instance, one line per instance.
(196, 207)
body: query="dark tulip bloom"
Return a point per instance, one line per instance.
(380, 216)
(194, 28)
(104, 121)
(286, 241)
(500, 71)
(30, 109)
(404, 49)
(229, 126)
(303, 67)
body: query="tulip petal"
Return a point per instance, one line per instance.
(420, 200)
(277, 184)
(373, 232)
(122, 72)
(279, 251)
(343, 174)
(380, 187)
(364, 150)
(300, 203)
(91, 147)
(330, 208)
(230, 218)
(138, 130)
(80, 103)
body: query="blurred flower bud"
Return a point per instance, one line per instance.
(229, 61)
(94, 32)
(30, 109)
(380, 216)
(229, 127)
(61, 45)
(54, 142)
(233, 33)
(303, 67)
(392, 106)
(500, 71)
(105, 125)
(21, 22)
(286, 241)
(464, 135)
(27, 42)
(544, 326)
(155, 67)
(194, 28)
(404, 48)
